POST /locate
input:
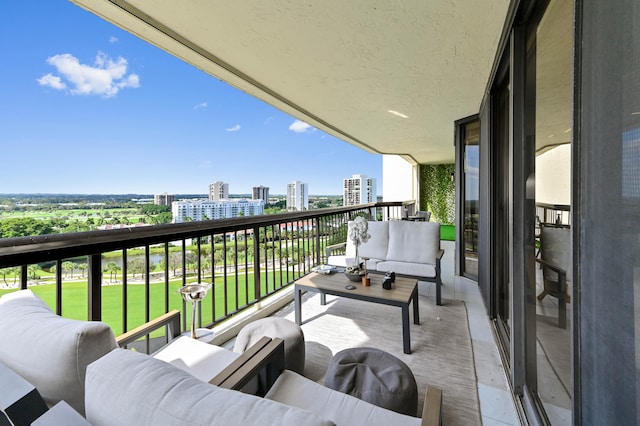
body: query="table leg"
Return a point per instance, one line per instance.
(416, 308)
(323, 299)
(406, 337)
(298, 304)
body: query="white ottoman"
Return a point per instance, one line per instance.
(288, 331)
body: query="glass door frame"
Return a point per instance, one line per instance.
(460, 179)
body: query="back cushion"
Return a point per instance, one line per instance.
(49, 351)
(376, 247)
(417, 242)
(556, 249)
(129, 388)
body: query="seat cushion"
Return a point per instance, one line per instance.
(414, 242)
(339, 260)
(407, 268)
(130, 388)
(202, 360)
(49, 351)
(297, 391)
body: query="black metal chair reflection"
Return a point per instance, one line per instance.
(555, 260)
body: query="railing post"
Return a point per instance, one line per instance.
(23, 277)
(95, 287)
(318, 248)
(256, 262)
(59, 287)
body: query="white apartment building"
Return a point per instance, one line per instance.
(297, 196)
(359, 189)
(261, 193)
(218, 191)
(196, 210)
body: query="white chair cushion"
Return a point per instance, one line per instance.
(297, 391)
(339, 260)
(202, 360)
(129, 388)
(413, 242)
(49, 351)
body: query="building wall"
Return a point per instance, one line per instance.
(297, 196)
(197, 210)
(359, 189)
(218, 191)
(163, 199)
(398, 179)
(553, 176)
(261, 193)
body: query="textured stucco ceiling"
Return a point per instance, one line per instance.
(554, 76)
(340, 66)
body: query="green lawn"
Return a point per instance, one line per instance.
(74, 298)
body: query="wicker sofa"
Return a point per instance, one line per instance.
(408, 248)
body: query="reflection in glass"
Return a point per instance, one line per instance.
(471, 198)
(554, 259)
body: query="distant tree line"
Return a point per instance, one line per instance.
(25, 227)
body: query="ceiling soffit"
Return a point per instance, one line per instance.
(340, 66)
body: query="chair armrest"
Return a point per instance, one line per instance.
(432, 408)
(265, 358)
(333, 247)
(440, 254)
(172, 319)
(552, 266)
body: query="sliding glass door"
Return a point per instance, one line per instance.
(468, 159)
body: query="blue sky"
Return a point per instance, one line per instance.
(87, 108)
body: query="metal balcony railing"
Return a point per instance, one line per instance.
(133, 275)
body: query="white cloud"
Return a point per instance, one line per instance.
(105, 78)
(234, 128)
(300, 127)
(200, 105)
(113, 39)
(52, 81)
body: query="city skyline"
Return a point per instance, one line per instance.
(90, 109)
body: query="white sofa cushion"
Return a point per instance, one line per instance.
(414, 242)
(376, 246)
(407, 268)
(129, 388)
(297, 391)
(339, 260)
(49, 351)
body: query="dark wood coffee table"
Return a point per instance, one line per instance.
(404, 291)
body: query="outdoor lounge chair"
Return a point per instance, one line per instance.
(52, 353)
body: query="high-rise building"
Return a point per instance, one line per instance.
(359, 189)
(218, 191)
(261, 193)
(163, 199)
(195, 210)
(297, 196)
